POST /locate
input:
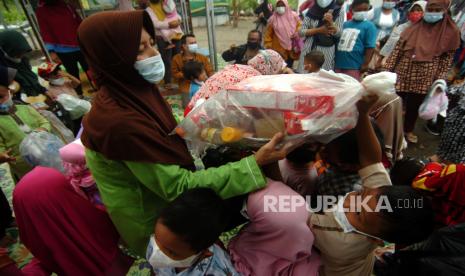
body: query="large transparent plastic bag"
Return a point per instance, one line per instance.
(306, 107)
(316, 107)
(42, 149)
(75, 106)
(58, 128)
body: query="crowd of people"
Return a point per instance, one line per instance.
(129, 187)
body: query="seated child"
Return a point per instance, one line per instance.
(347, 234)
(183, 242)
(60, 81)
(16, 121)
(169, 9)
(195, 72)
(313, 61)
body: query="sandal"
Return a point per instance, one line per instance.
(411, 138)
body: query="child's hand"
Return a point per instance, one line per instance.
(174, 24)
(6, 157)
(366, 103)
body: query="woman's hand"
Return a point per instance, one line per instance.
(174, 24)
(270, 152)
(328, 17)
(287, 70)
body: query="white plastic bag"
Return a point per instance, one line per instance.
(380, 83)
(435, 102)
(58, 128)
(42, 149)
(75, 106)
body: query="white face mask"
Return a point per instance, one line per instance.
(260, 2)
(342, 220)
(193, 47)
(323, 3)
(281, 10)
(58, 82)
(152, 69)
(360, 16)
(158, 259)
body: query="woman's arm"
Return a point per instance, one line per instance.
(38, 119)
(169, 181)
(307, 29)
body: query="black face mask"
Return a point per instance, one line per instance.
(253, 45)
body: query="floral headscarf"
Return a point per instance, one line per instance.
(267, 62)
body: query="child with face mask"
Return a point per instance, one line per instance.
(357, 43)
(59, 81)
(347, 234)
(16, 121)
(183, 242)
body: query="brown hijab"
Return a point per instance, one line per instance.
(129, 119)
(425, 41)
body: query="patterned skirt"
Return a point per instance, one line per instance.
(452, 145)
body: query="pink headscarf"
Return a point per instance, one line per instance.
(231, 74)
(275, 243)
(284, 25)
(266, 62)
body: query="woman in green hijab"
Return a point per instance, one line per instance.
(14, 47)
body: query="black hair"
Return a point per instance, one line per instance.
(348, 146)
(359, 2)
(302, 155)
(316, 57)
(410, 219)
(197, 216)
(184, 38)
(404, 171)
(217, 157)
(256, 31)
(192, 69)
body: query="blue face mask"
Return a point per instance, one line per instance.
(5, 107)
(151, 69)
(433, 17)
(389, 5)
(360, 16)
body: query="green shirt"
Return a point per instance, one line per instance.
(11, 134)
(135, 192)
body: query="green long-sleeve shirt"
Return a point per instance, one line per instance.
(135, 192)
(11, 134)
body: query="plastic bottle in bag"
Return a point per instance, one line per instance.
(42, 149)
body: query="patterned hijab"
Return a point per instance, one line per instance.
(267, 62)
(424, 41)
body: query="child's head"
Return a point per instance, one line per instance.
(360, 9)
(314, 61)
(6, 78)
(404, 171)
(51, 72)
(397, 214)
(186, 228)
(303, 154)
(194, 70)
(342, 152)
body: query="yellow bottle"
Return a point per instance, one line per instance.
(231, 134)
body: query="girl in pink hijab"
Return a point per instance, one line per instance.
(266, 62)
(282, 32)
(275, 242)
